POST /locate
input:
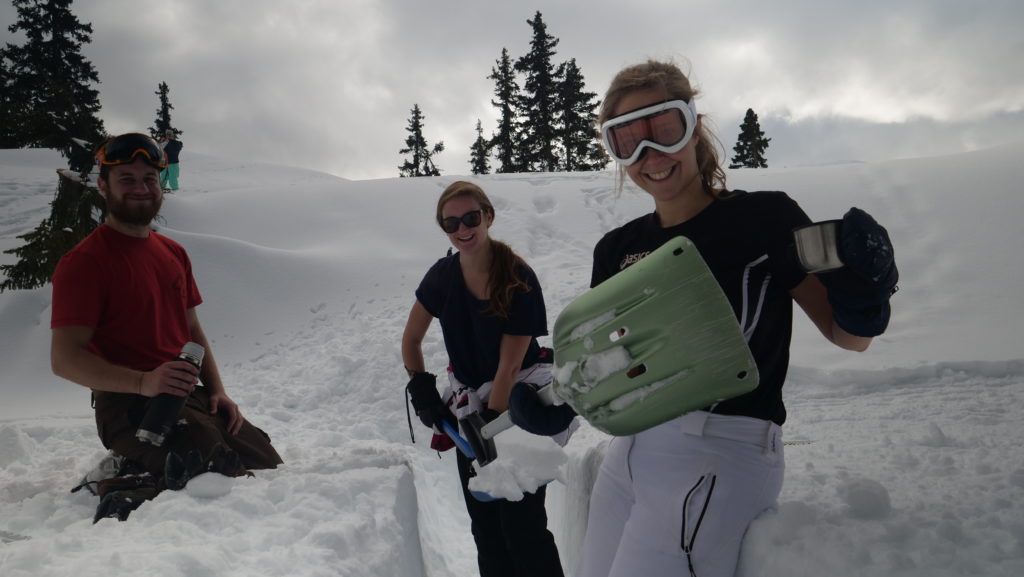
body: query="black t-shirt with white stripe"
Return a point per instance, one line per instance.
(746, 240)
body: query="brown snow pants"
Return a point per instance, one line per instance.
(118, 417)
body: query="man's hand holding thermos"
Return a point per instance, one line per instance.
(164, 409)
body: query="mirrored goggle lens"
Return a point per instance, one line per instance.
(470, 219)
(125, 148)
(667, 127)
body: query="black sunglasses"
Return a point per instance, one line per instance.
(470, 219)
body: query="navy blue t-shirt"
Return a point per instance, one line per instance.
(172, 148)
(746, 241)
(472, 337)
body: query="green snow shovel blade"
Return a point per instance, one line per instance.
(653, 342)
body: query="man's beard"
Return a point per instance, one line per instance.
(134, 212)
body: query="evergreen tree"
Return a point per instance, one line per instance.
(49, 102)
(478, 153)
(506, 141)
(579, 140)
(52, 80)
(76, 210)
(750, 145)
(422, 163)
(10, 108)
(163, 114)
(540, 101)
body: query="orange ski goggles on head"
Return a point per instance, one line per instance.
(124, 148)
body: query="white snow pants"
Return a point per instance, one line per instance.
(676, 499)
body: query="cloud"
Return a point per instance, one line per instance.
(330, 85)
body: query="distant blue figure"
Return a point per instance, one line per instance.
(172, 147)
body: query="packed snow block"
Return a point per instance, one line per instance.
(655, 341)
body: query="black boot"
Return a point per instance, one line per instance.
(178, 470)
(225, 461)
(120, 496)
(121, 503)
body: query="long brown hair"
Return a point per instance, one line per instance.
(502, 280)
(666, 76)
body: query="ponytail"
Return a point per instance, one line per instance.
(503, 282)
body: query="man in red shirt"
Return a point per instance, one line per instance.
(124, 304)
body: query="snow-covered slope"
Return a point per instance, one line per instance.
(914, 466)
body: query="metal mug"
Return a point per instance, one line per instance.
(816, 246)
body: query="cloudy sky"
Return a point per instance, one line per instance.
(329, 84)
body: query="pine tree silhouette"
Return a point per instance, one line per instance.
(49, 102)
(540, 101)
(163, 114)
(421, 163)
(506, 142)
(479, 152)
(52, 83)
(581, 149)
(750, 145)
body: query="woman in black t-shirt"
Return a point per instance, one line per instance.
(676, 498)
(491, 311)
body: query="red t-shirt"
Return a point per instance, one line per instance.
(134, 292)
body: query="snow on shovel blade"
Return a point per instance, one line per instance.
(479, 441)
(480, 435)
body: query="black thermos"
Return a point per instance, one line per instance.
(164, 409)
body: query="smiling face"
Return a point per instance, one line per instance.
(133, 195)
(663, 176)
(467, 239)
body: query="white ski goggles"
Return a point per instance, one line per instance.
(666, 126)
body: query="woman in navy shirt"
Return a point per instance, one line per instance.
(491, 310)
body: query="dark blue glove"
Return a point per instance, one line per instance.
(426, 401)
(859, 292)
(530, 414)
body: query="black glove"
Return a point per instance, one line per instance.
(530, 414)
(426, 401)
(859, 292)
